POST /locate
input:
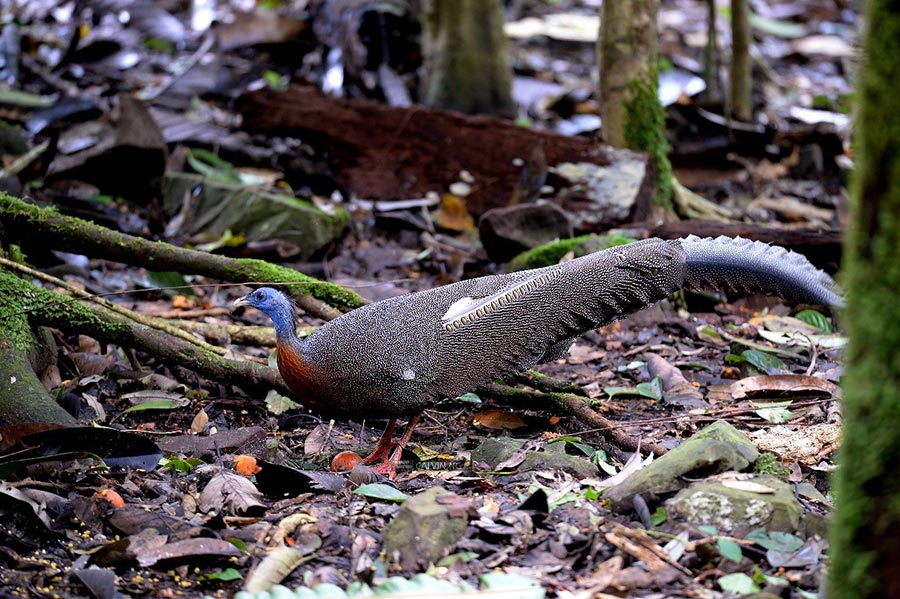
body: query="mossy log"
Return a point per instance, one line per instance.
(24, 222)
(72, 315)
(23, 398)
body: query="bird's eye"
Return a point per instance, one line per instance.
(259, 296)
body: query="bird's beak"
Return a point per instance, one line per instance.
(241, 301)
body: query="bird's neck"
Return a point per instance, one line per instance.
(285, 321)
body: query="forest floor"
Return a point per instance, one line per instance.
(523, 479)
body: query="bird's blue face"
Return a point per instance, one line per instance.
(273, 304)
(264, 299)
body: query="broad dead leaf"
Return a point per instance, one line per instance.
(452, 214)
(498, 420)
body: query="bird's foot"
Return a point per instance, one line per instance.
(385, 443)
(387, 468)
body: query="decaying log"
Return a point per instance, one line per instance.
(380, 152)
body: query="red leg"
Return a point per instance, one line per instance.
(389, 466)
(384, 444)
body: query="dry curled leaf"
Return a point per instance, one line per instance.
(230, 493)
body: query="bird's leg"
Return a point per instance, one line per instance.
(389, 466)
(384, 444)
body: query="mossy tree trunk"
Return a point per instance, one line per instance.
(866, 529)
(741, 79)
(466, 57)
(629, 106)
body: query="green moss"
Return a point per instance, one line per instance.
(865, 529)
(244, 269)
(552, 253)
(645, 130)
(769, 463)
(300, 284)
(12, 319)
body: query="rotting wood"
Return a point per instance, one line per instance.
(381, 152)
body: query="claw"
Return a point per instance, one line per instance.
(389, 466)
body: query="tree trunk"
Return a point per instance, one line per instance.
(866, 529)
(711, 55)
(626, 51)
(629, 106)
(741, 82)
(467, 57)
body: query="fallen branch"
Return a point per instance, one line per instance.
(27, 223)
(240, 334)
(575, 406)
(160, 324)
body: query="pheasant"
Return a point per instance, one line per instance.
(399, 356)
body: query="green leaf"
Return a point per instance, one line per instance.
(576, 443)
(651, 389)
(659, 516)
(815, 318)
(275, 81)
(155, 404)
(22, 99)
(784, 29)
(170, 283)
(738, 583)
(278, 403)
(524, 586)
(729, 549)
(710, 332)
(179, 464)
(462, 557)
(226, 240)
(381, 491)
(708, 529)
(209, 165)
(633, 365)
(613, 391)
(156, 44)
(775, 412)
(225, 575)
(469, 398)
(762, 578)
(763, 361)
(592, 494)
(782, 542)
